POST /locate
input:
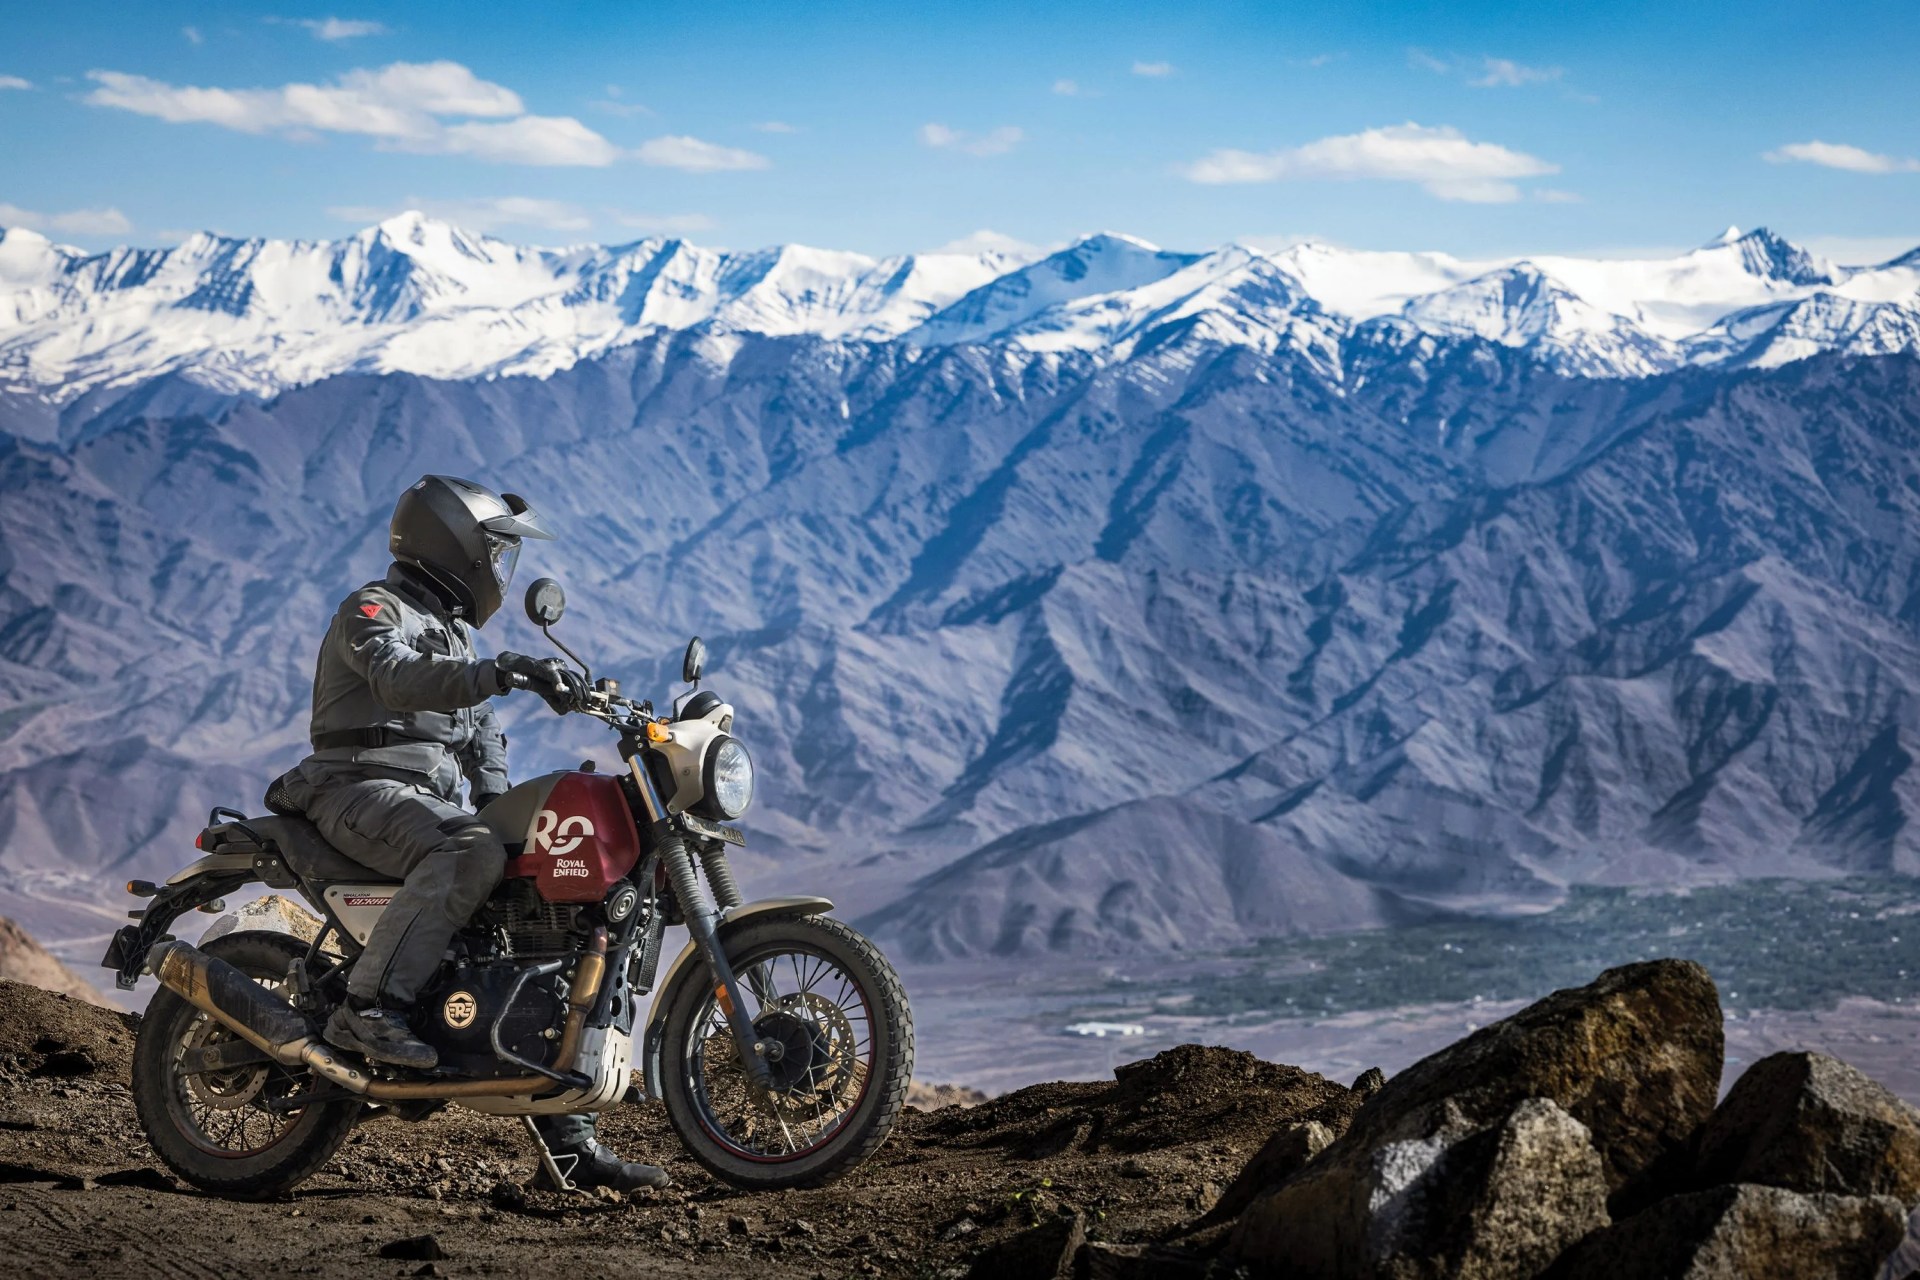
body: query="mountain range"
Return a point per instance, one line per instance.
(417, 295)
(1115, 600)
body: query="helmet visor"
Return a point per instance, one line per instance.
(503, 554)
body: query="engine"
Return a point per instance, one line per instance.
(529, 927)
(457, 1011)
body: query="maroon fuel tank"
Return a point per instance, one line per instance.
(574, 831)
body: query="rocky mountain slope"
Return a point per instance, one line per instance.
(416, 295)
(1305, 636)
(1579, 1137)
(23, 959)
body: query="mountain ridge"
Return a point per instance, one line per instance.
(418, 295)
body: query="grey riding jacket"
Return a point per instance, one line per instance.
(399, 690)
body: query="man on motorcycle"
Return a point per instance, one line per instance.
(401, 709)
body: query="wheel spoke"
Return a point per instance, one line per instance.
(819, 1074)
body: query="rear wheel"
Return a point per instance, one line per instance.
(839, 1038)
(240, 1131)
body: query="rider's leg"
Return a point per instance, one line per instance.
(581, 1160)
(449, 861)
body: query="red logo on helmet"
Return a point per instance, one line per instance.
(371, 610)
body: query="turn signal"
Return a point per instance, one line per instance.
(657, 731)
(142, 888)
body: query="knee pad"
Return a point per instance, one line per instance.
(482, 857)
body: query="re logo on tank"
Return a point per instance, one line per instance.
(559, 836)
(460, 1010)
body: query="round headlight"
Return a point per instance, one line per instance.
(729, 778)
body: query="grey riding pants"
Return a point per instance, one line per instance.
(447, 858)
(449, 861)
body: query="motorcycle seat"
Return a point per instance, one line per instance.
(306, 851)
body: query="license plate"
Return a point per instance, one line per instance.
(718, 830)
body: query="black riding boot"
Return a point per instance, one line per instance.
(380, 1034)
(571, 1159)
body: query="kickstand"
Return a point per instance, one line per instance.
(561, 1177)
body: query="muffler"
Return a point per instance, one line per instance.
(247, 1009)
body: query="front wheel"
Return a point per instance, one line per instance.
(839, 1039)
(245, 1131)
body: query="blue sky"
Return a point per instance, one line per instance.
(1470, 127)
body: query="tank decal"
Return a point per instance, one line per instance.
(580, 839)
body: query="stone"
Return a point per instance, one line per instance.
(1740, 1232)
(272, 912)
(1042, 1252)
(414, 1249)
(1285, 1154)
(1633, 1058)
(1810, 1123)
(1480, 1203)
(1369, 1082)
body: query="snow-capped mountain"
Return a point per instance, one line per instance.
(416, 295)
(1114, 599)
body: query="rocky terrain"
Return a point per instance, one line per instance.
(1579, 1137)
(23, 959)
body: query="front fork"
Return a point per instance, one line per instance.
(703, 922)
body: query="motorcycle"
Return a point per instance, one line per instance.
(780, 1040)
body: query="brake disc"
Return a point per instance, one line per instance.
(227, 1090)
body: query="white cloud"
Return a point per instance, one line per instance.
(79, 222)
(615, 104)
(775, 126)
(1498, 73)
(1317, 60)
(15, 82)
(533, 140)
(1153, 70)
(479, 215)
(1067, 88)
(695, 156)
(193, 35)
(1444, 161)
(400, 105)
(335, 29)
(993, 143)
(1487, 72)
(1862, 250)
(988, 241)
(495, 212)
(1838, 155)
(1553, 195)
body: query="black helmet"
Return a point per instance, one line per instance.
(465, 538)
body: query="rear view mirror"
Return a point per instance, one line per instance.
(695, 662)
(546, 602)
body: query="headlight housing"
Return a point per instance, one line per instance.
(727, 779)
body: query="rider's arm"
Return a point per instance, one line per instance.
(484, 758)
(401, 676)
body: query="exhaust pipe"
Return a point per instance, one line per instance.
(277, 1029)
(249, 1010)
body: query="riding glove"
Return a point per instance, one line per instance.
(552, 679)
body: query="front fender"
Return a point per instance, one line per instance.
(690, 954)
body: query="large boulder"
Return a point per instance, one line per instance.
(1807, 1122)
(1743, 1232)
(273, 913)
(1633, 1059)
(1478, 1202)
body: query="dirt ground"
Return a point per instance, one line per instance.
(81, 1194)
